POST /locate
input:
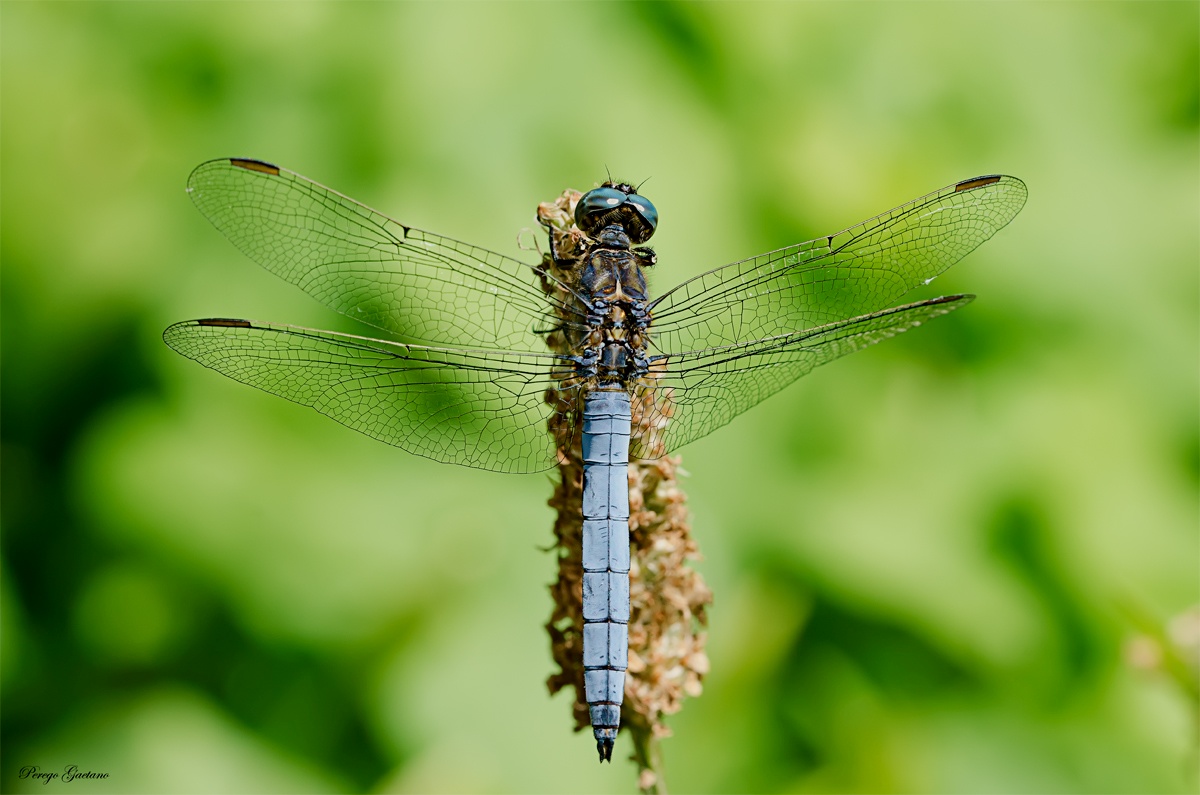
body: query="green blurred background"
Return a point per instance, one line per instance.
(928, 559)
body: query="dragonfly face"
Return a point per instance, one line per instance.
(465, 377)
(617, 204)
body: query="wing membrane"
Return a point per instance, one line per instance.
(483, 409)
(417, 285)
(696, 392)
(838, 277)
(728, 338)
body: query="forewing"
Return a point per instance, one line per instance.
(858, 271)
(417, 285)
(483, 409)
(689, 395)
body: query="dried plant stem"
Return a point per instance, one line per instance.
(647, 753)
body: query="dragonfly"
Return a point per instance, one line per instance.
(466, 375)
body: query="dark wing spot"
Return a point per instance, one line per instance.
(224, 321)
(254, 165)
(948, 299)
(978, 182)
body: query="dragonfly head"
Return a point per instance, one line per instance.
(616, 203)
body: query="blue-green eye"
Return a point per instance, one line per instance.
(597, 201)
(644, 208)
(616, 205)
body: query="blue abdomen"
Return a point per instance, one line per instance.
(606, 425)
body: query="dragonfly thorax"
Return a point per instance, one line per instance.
(612, 282)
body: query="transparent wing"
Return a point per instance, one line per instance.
(838, 277)
(417, 285)
(689, 395)
(483, 409)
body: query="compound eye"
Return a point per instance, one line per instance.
(645, 209)
(595, 203)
